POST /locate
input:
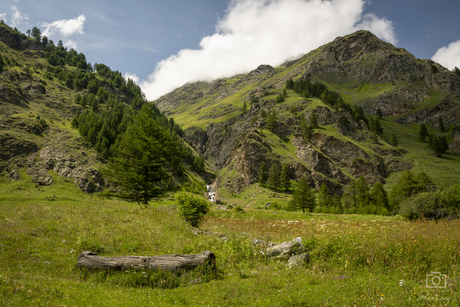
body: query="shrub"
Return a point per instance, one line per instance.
(433, 205)
(192, 207)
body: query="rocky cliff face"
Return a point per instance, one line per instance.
(19, 41)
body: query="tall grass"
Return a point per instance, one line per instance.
(355, 260)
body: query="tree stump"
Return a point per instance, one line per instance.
(170, 263)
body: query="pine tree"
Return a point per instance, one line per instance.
(379, 196)
(324, 198)
(394, 140)
(423, 133)
(379, 113)
(262, 174)
(303, 197)
(271, 121)
(441, 124)
(274, 176)
(313, 121)
(146, 157)
(245, 107)
(304, 128)
(285, 181)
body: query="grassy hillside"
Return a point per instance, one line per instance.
(355, 260)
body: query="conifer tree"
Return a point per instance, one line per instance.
(146, 157)
(423, 133)
(304, 128)
(441, 124)
(263, 174)
(379, 196)
(285, 181)
(379, 113)
(394, 140)
(274, 176)
(324, 198)
(303, 197)
(313, 121)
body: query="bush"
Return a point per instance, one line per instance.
(433, 205)
(192, 207)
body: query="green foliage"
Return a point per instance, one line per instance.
(313, 121)
(394, 140)
(36, 34)
(409, 185)
(285, 181)
(457, 71)
(423, 133)
(379, 196)
(274, 177)
(439, 204)
(272, 120)
(324, 198)
(379, 113)
(305, 128)
(303, 197)
(357, 194)
(434, 69)
(438, 145)
(262, 174)
(441, 124)
(192, 207)
(146, 158)
(2, 64)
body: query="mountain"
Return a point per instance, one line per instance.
(363, 76)
(62, 116)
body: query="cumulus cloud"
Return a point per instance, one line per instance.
(448, 56)
(65, 27)
(70, 44)
(255, 32)
(131, 76)
(17, 16)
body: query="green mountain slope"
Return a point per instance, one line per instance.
(368, 74)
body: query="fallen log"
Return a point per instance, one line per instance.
(170, 263)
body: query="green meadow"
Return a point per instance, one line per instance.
(355, 260)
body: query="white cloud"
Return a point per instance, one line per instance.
(65, 27)
(17, 17)
(255, 32)
(131, 76)
(448, 56)
(70, 44)
(3, 17)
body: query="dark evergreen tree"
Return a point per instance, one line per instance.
(303, 197)
(423, 133)
(285, 181)
(304, 128)
(394, 140)
(379, 113)
(147, 156)
(457, 71)
(274, 177)
(313, 121)
(263, 174)
(324, 198)
(271, 120)
(36, 34)
(379, 196)
(441, 124)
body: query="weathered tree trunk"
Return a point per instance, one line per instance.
(170, 263)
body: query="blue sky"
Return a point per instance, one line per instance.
(163, 44)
